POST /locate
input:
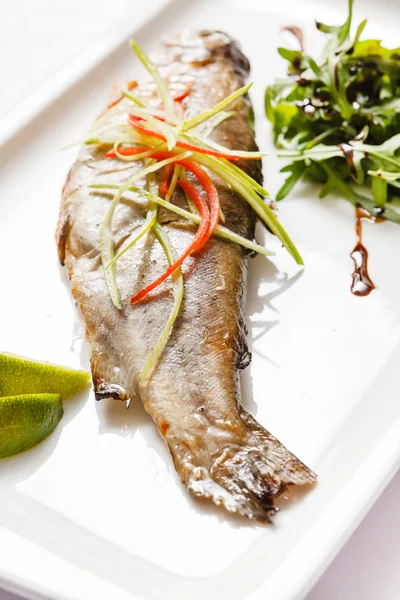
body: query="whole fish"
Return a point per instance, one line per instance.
(219, 451)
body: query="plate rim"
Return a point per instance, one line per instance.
(386, 454)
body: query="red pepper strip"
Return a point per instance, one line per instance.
(133, 122)
(180, 111)
(159, 115)
(203, 178)
(197, 242)
(178, 99)
(191, 166)
(110, 105)
(165, 179)
(131, 85)
(127, 151)
(156, 113)
(114, 103)
(182, 95)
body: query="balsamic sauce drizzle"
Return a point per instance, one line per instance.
(362, 284)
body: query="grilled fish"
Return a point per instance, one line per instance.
(219, 451)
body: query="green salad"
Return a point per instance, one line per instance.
(336, 119)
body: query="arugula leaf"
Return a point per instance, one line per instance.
(284, 114)
(295, 58)
(339, 33)
(379, 191)
(368, 48)
(296, 170)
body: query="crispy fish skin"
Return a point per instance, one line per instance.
(218, 449)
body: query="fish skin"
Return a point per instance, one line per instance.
(219, 451)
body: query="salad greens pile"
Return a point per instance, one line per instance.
(337, 119)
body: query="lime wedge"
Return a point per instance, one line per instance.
(24, 376)
(26, 420)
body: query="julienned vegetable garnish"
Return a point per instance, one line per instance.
(220, 231)
(165, 142)
(208, 218)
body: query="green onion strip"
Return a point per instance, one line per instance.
(191, 205)
(207, 114)
(133, 98)
(262, 209)
(177, 280)
(174, 181)
(150, 220)
(161, 84)
(178, 289)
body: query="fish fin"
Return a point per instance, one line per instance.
(103, 384)
(104, 390)
(247, 478)
(63, 228)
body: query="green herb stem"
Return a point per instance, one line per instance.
(178, 291)
(220, 231)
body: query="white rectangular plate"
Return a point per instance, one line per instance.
(97, 511)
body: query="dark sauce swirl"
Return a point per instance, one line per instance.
(362, 284)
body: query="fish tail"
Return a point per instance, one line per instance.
(247, 478)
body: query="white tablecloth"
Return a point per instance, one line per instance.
(36, 40)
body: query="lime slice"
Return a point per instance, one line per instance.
(24, 376)
(26, 420)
